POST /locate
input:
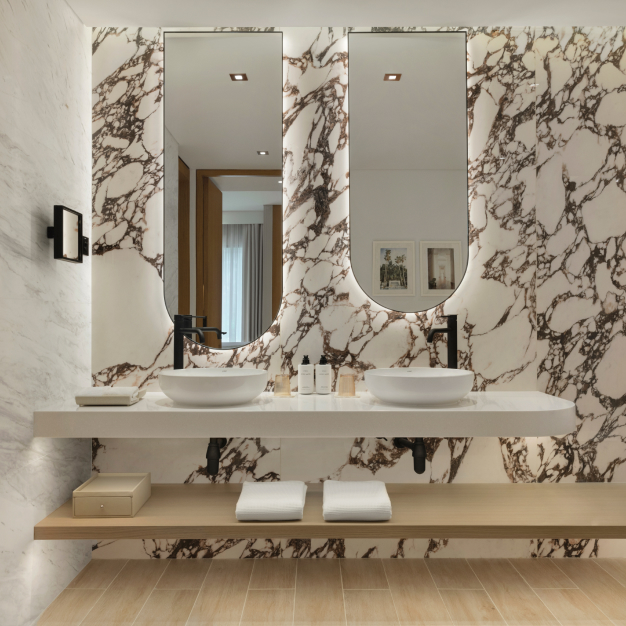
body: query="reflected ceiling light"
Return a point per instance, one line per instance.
(262, 152)
(393, 77)
(280, 182)
(238, 77)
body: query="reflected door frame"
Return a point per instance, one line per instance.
(209, 246)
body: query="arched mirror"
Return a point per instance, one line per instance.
(408, 166)
(223, 180)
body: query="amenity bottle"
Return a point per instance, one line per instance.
(323, 377)
(306, 383)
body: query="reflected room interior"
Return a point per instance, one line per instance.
(223, 181)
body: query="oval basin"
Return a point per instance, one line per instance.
(212, 386)
(419, 385)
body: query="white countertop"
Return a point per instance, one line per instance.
(479, 414)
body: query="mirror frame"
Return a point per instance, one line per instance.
(202, 174)
(350, 213)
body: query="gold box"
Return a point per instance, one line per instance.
(112, 495)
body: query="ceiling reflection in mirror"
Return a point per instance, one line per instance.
(223, 181)
(408, 166)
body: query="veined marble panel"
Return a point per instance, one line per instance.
(541, 305)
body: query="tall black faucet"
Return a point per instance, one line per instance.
(451, 331)
(182, 327)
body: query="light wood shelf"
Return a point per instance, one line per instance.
(583, 510)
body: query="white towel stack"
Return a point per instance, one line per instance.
(109, 396)
(269, 502)
(356, 501)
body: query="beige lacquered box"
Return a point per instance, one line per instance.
(112, 495)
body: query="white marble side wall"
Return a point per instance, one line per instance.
(45, 305)
(541, 305)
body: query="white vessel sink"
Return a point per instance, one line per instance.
(418, 386)
(213, 386)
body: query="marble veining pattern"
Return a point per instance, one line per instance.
(45, 305)
(541, 305)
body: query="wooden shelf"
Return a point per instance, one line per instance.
(584, 510)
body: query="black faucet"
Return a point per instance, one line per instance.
(451, 331)
(182, 327)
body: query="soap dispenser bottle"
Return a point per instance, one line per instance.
(323, 376)
(306, 383)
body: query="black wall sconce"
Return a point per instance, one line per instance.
(67, 232)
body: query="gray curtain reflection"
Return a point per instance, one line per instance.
(242, 282)
(252, 281)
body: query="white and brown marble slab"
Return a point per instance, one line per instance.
(541, 306)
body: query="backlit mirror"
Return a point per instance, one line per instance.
(223, 180)
(408, 166)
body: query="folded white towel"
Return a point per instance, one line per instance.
(109, 395)
(356, 501)
(268, 502)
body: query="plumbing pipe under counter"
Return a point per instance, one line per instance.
(479, 414)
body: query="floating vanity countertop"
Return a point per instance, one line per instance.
(480, 414)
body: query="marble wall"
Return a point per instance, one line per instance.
(45, 305)
(541, 306)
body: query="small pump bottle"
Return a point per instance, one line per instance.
(306, 383)
(323, 376)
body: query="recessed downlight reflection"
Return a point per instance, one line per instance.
(262, 152)
(393, 77)
(238, 77)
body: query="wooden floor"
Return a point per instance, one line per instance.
(518, 592)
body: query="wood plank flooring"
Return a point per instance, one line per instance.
(327, 592)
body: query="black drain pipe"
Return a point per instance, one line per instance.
(419, 451)
(213, 455)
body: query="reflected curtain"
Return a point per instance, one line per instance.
(242, 282)
(232, 282)
(252, 281)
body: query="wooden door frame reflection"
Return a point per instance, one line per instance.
(209, 256)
